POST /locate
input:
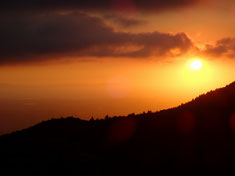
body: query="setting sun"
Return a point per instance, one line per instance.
(196, 65)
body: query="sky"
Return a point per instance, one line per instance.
(109, 57)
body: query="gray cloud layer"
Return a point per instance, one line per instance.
(36, 37)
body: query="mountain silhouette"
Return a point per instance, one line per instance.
(194, 138)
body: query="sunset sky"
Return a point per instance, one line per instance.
(110, 57)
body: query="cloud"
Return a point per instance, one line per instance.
(43, 37)
(98, 5)
(124, 21)
(222, 48)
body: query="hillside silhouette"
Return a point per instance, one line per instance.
(194, 138)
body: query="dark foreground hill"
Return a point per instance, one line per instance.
(195, 138)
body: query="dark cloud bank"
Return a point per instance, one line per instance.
(141, 5)
(32, 30)
(29, 38)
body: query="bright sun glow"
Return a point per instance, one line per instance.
(196, 65)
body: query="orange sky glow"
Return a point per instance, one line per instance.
(84, 85)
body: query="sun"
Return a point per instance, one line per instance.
(196, 65)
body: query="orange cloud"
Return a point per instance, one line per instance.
(222, 48)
